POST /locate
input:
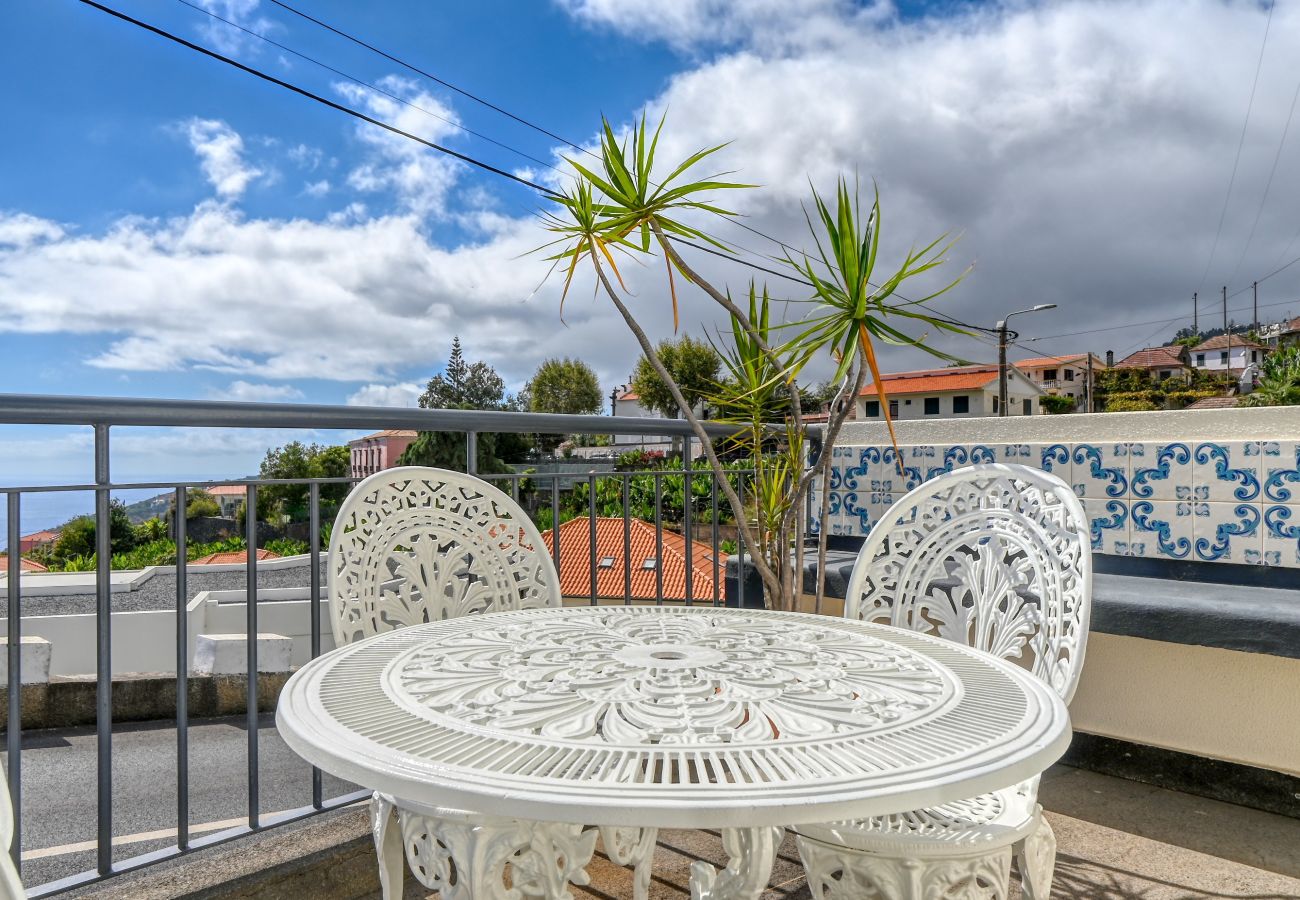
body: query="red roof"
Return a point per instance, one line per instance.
(1214, 403)
(1221, 341)
(575, 561)
(25, 565)
(1040, 362)
(226, 490)
(41, 536)
(629, 395)
(234, 556)
(388, 433)
(1153, 358)
(928, 381)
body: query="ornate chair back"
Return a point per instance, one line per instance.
(416, 544)
(997, 557)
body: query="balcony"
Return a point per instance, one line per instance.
(1182, 780)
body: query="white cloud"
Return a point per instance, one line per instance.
(405, 394)
(21, 229)
(317, 188)
(228, 39)
(258, 393)
(221, 156)
(418, 177)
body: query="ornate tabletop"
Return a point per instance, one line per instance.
(671, 717)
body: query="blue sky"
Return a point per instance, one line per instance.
(172, 227)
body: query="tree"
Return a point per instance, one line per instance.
(1056, 404)
(298, 460)
(567, 386)
(692, 365)
(77, 535)
(464, 386)
(199, 503)
(1279, 381)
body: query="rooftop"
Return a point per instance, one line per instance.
(26, 565)
(1154, 358)
(924, 381)
(387, 433)
(1223, 341)
(231, 557)
(1214, 403)
(1039, 362)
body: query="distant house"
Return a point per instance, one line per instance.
(1161, 363)
(646, 561)
(228, 497)
(1214, 403)
(627, 402)
(36, 540)
(24, 565)
(1227, 353)
(1062, 376)
(376, 452)
(231, 557)
(954, 393)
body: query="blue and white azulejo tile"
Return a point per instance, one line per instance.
(1165, 528)
(1228, 532)
(1100, 470)
(1161, 471)
(1228, 471)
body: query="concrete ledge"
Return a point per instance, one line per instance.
(34, 664)
(227, 654)
(67, 702)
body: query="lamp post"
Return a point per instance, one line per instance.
(1002, 353)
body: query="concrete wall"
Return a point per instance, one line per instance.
(1224, 704)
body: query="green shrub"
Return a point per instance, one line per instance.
(1054, 404)
(1123, 403)
(286, 547)
(201, 504)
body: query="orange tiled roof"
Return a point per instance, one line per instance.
(629, 395)
(575, 561)
(25, 565)
(1153, 358)
(387, 433)
(1039, 362)
(1220, 342)
(1214, 403)
(960, 378)
(46, 535)
(234, 556)
(226, 490)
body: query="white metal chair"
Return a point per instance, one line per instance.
(415, 544)
(997, 557)
(11, 887)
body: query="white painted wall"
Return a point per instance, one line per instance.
(1240, 357)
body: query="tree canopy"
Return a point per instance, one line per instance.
(464, 385)
(1279, 381)
(298, 460)
(566, 386)
(692, 364)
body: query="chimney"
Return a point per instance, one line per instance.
(1110, 359)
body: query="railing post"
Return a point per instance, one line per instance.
(471, 452)
(251, 718)
(103, 654)
(182, 679)
(313, 544)
(687, 508)
(13, 581)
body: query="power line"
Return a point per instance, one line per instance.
(316, 97)
(1267, 184)
(365, 84)
(432, 145)
(1240, 143)
(412, 68)
(1162, 322)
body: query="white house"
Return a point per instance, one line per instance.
(628, 403)
(954, 393)
(1063, 376)
(1227, 352)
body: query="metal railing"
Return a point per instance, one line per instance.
(105, 414)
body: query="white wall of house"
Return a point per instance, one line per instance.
(634, 410)
(1218, 360)
(949, 405)
(1061, 379)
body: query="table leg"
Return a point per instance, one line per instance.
(388, 846)
(750, 852)
(633, 847)
(466, 859)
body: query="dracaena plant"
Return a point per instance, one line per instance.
(622, 208)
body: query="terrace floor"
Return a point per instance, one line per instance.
(1117, 839)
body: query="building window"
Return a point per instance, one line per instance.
(872, 409)
(1069, 374)
(960, 405)
(1049, 374)
(607, 562)
(995, 405)
(1223, 357)
(1254, 356)
(932, 406)
(1027, 407)
(1200, 359)
(648, 563)
(893, 409)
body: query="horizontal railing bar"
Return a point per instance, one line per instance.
(43, 409)
(209, 840)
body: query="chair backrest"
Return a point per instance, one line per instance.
(996, 557)
(416, 544)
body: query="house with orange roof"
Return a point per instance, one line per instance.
(24, 565)
(1169, 361)
(957, 392)
(1227, 353)
(228, 497)
(36, 540)
(1070, 375)
(231, 557)
(376, 452)
(634, 563)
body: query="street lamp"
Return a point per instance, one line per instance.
(1002, 353)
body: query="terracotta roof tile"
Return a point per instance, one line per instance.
(234, 556)
(1214, 403)
(387, 433)
(575, 561)
(958, 378)
(226, 490)
(24, 564)
(1039, 362)
(1153, 358)
(1220, 342)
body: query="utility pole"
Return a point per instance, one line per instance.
(1196, 327)
(1087, 385)
(1255, 314)
(1002, 353)
(1225, 327)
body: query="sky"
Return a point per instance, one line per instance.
(173, 227)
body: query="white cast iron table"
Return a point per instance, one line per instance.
(634, 718)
